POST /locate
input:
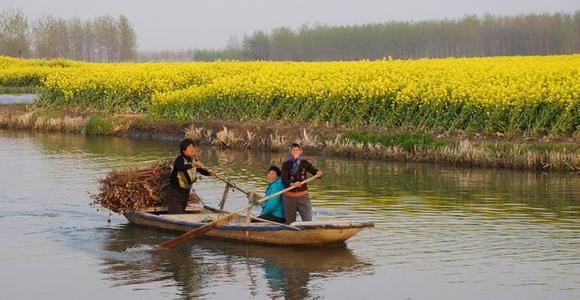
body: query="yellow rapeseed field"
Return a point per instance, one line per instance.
(504, 94)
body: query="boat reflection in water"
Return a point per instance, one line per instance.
(208, 267)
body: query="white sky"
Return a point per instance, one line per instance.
(179, 24)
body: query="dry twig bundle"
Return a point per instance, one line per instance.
(134, 189)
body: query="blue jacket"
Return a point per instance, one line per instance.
(274, 206)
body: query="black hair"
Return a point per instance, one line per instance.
(275, 169)
(185, 143)
(295, 145)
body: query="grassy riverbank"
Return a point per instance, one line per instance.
(545, 153)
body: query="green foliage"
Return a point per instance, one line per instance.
(98, 125)
(409, 142)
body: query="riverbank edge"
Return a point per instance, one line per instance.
(546, 154)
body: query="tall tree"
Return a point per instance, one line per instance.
(128, 40)
(45, 37)
(256, 46)
(76, 34)
(14, 33)
(106, 38)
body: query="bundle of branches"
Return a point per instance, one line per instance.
(134, 189)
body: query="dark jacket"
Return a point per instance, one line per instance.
(288, 178)
(184, 172)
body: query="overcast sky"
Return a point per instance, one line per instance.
(178, 24)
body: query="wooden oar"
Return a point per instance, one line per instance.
(267, 221)
(221, 221)
(229, 184)
(228, 181)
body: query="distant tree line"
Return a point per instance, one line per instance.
(103, 39)
(487, 35)
(188, 55)
(106, 38)
(230, 52)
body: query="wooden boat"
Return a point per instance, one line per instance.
(313, 233)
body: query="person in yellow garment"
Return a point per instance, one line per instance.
(183, 176)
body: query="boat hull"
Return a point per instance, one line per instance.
(311, 233)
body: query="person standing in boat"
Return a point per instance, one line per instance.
(294, 170)
(183, 176)
(273, 209)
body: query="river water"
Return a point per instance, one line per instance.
(17, 99)
(441, 232)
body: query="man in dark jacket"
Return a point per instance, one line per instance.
(293, 172)
(183, 176)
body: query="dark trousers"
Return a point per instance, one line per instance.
(270, 217)
(300, 204)
(177, 199)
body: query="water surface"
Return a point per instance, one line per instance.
(441, 232)
(17, 99)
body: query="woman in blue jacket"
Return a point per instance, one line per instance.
(273, 209)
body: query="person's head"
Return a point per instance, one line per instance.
(295, 151)
(273, 173)
(188, 148)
